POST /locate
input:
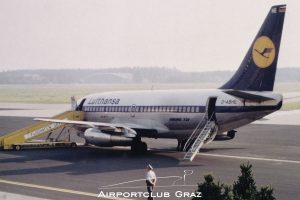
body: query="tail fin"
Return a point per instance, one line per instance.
(257, 70)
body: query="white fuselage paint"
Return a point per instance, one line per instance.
(175, 113)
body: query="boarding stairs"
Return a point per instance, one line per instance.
(202, 136)
(203, 133)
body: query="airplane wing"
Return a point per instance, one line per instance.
(129, 132)
(248, 96)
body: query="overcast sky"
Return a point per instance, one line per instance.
(194, 35)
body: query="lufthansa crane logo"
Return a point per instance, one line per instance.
(263, 52)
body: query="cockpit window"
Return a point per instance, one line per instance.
(79, 107)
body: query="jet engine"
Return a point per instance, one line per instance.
(99, 138)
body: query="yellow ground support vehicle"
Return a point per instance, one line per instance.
(25, 137)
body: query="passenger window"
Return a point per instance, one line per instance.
(173, 109)
(159, 108)
(193, 109)
(188, 109)
(180, 109)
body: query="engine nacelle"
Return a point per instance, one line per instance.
(99, 138)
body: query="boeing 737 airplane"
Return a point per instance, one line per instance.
(197, 116)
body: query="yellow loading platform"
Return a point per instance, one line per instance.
(24, 137)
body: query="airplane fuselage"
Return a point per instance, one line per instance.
(175, 113)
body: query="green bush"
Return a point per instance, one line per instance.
(213, 191)
(243, 189)
(265, 193)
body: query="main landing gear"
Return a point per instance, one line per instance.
(139, 147)
(180, 144)
(231, 134)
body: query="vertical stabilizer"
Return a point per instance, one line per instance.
(257, 70)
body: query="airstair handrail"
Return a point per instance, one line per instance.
(190, 140)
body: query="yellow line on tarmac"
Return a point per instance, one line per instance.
(56, 189)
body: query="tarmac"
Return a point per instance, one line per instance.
(84, 172)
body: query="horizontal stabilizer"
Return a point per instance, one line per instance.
(248, 96)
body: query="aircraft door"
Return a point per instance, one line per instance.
(210, 108)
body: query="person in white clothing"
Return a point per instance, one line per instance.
(150, 181)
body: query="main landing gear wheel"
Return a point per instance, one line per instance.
(180, 144)
(139, 147)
